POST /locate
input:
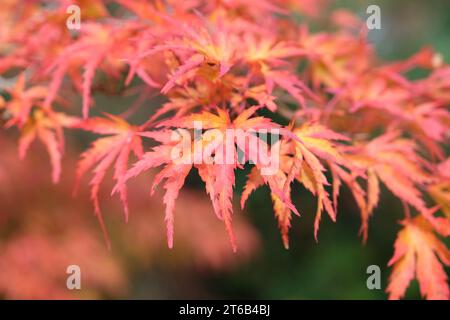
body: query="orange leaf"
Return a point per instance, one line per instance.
(416, 256)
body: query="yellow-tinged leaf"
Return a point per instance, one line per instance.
(416, 256)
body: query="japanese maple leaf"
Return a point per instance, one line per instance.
(428, 122)
(25, 111)
(47, 126)
(218, 177)
(174, 172)
(121, 141)
(436, 86)
(305, 7)
(208, 52)
(300, 160)
(255, 7)
(289, 83)
(393, 160)
(19, 106)
(375, 90)
(100, 47)
(439, 190)
(269, 53)
(416, 256)
(366, 201)
(280, 194)
(334, 59)
(315, 144)
(268, 58)
(426, 57)
(260, 93)
(185, 100)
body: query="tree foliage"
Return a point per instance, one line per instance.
(350, 119)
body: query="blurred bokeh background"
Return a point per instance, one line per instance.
(43, 229)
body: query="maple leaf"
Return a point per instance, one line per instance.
(334, 59)
(290, 83)
(174, 172)
(351, 180)
(316, 143)
(300, 160)
(209, 53)
(281, 198)
(379, 91)
(25, 110)
(19, 106)
(121, 142)
(435, 87)
(268, 53)
(219, 178)
(259, 93)
(415, 256)
(439, 190)
(427, 122)
(393, 161)
(47, 126)
(268, 57)
(99, 47)
(217, 175)
(256, 7)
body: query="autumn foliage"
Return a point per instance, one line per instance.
(346, 119)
